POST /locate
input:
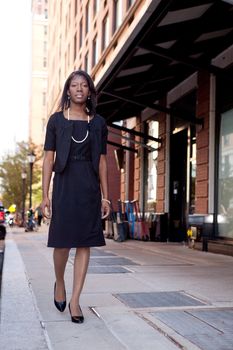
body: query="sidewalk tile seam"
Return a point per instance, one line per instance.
(205, 322)
(167, 330)
(160, 330)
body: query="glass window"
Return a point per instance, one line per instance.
(69, 14)
(39, 9)
(80, 33)
(153, 128)
(225, 190)
(75, 46)
(193, 170)
(86, 63)
(44, 98)
(94, 52)
(96, 4)
(76, 7)
(60, 46)
(68, 55)
(87, 18)
(117, 13)
(226, 140)
(130, 3)
(105, 32)
(60, 11)
(66, 25)
(43, 124)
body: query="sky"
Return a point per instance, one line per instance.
(15, 69)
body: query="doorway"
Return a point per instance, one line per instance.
(178, 185)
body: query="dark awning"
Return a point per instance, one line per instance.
(177, 38)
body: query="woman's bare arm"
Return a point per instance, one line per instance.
(46, 178)
(103, 173)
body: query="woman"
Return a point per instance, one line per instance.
(78, 138)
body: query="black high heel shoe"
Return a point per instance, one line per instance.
(60, 305)
(76, 319)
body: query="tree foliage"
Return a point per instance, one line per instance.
(11, 168)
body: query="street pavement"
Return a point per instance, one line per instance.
(137, 295)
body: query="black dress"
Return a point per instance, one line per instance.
(76, 199)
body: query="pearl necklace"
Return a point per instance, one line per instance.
(88, 121)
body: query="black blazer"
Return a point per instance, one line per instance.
(58, 139)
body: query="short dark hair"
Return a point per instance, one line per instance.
(90, 103)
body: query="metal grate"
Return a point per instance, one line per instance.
(157, 299)
(208, 329)
(100, 252)
(106, 269)
(110, 261)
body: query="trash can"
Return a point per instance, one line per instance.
(161, 230)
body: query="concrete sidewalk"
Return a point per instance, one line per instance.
(137, 295)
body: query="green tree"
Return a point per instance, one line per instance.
(11, 168)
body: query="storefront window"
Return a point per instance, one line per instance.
(152, 166)
(225, 200)
(193, 170)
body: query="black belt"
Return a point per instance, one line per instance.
(79, 157)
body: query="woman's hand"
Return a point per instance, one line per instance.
(105, 209)
(46, 209)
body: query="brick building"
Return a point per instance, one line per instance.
(176, 70)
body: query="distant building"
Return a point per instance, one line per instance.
(39, 74)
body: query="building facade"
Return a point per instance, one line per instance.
(39, 74)
(85, 35)
(163, 72)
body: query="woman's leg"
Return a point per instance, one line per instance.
(81, 262)
(60, 257)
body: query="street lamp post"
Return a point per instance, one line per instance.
(23, 176)
(31, 160)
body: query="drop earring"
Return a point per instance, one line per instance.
(88, 101)
(68, 100)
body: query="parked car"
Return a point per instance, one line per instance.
(2, 222)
